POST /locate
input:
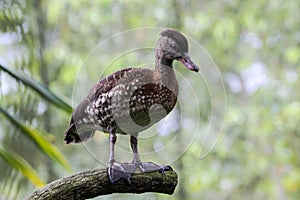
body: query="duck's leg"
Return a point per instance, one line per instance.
(117, 170)
(145, 166)
(133, 144)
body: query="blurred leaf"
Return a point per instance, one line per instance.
(54, 11)
(18, 163)
(293, 54)
(39, 88)
(37, 137)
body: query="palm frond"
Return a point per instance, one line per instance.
(21, 165)
(40, 88)
(38, 138)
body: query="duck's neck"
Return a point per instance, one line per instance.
(165, 73)
(162, 64)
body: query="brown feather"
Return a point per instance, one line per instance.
(132, 99)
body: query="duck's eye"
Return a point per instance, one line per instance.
(172, 44)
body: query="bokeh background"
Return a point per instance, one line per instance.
(255, 46)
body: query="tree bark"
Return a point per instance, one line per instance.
(93, 183)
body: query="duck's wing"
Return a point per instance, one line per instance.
(80, 127)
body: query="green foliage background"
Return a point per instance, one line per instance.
(256, 46)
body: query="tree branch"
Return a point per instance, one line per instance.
(92, 183)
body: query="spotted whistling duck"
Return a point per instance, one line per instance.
(130, 101)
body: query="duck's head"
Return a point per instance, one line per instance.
(172, 45)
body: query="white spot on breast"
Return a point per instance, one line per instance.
(110, 94)
(85, 120)
(91, 112)
(98, 102)
(103, 99)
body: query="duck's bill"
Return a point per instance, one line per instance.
(185, 59)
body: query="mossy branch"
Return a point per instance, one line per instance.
(93, 183)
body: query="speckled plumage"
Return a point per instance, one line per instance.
(131, 92)
(131, 100)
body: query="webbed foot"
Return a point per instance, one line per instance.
(150, 167)
(117, 171)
